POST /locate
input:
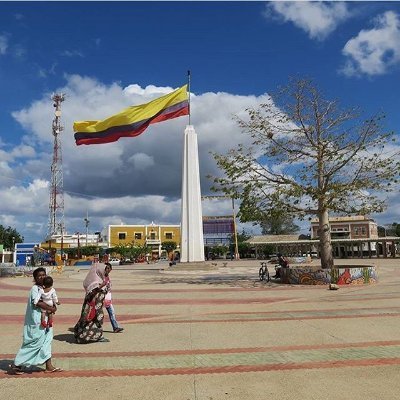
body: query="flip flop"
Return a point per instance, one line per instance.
(16, 370)
(50, 371)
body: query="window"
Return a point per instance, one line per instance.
(168, 235)
(363, 231)
(121, 235)
(152, 235)
(138, 235)
(356, 231)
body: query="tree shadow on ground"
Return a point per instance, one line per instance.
(231, 281)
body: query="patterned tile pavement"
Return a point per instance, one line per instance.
(195, 329)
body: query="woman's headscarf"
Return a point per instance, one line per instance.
(94, 278)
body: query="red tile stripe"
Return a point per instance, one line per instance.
(184, 301)
(161, 319)
(210, 370)
(222, 351)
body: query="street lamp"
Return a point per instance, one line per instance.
(235, 230)
(79, 247)
(87, 227)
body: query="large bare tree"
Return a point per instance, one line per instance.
(310, 157)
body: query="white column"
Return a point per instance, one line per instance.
(192, 243)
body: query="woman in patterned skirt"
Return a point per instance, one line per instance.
(89, 328)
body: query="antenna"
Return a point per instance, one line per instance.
(56, 204)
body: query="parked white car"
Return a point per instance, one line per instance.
(114, 261)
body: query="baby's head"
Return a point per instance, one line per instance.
(47, 282)
(107, 269)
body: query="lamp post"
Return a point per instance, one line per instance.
(13, 249)
(87, 227)
(235, 230)
(79, 247)
(62, 244)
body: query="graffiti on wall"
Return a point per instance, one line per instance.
(340, 276)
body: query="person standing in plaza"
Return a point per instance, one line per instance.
(108, 300)
(36, 343)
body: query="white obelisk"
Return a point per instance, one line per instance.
(192, 243)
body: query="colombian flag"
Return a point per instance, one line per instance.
(134, 120)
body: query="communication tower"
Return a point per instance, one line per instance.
(56, 205)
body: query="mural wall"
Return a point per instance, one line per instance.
(340, 276)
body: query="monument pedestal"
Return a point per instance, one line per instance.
(193, 266)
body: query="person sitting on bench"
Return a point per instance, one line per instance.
(283, 263)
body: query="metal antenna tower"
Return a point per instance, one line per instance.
(56, 205)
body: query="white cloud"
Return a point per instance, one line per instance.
(131, 181)
(374, 51)
(23, 151)
(3, 44)
(317, 19)
(134, 180)
(44, 73)
(19, 51)
(141, 161)
(72, 53)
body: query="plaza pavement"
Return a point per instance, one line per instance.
(216, 334)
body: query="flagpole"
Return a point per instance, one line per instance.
(188, 74)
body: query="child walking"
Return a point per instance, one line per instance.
(108, 300)
(48, 295)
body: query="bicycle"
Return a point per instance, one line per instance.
(263, 273)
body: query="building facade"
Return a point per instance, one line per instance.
(354, 228)
(218, 231)
(151, 235)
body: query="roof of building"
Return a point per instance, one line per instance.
(294, 239)
(346, 219)
(273, 238)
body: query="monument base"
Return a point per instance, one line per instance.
(193, 266)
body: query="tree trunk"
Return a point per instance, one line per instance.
(325, 240)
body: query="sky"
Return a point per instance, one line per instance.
(106, 56)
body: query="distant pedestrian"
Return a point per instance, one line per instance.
(108, 300)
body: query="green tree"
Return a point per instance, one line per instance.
(392, 229)
(89, 250)
(244, 248)
(310, 157)
(278, 224)
(9, 236)
(396, 229)
(272, 222)
(169, 246)
(220, 250)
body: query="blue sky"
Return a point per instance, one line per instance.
(108, 55)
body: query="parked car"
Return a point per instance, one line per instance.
(126, 261)
(114, 261)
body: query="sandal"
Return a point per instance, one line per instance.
(16, 370)
(50, 371)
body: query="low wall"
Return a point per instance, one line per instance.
(343, 275)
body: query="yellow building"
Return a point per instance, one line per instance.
(151, 235)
